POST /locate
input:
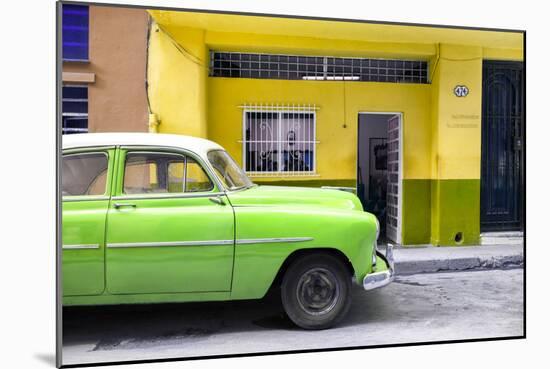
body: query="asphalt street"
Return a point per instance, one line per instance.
(415, 308)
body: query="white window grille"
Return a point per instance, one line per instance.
(316, 68)
(279, 140)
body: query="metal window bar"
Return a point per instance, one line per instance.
(279, 140)
(317, 68)
(75, 109)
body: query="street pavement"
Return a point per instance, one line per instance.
(415, 308)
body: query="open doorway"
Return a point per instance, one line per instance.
(379, 163)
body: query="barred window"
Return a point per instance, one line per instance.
(322, 68)
(279, 140)
(74, 101)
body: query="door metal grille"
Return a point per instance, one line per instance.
(392, 194)
(502, 148)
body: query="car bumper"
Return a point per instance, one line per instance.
(383, 278)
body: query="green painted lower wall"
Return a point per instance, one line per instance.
(434, 212)
(416, 211)
(458, 210)
(441, 212)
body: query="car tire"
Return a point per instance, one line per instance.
(316, 291)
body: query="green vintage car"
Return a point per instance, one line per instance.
(151, 218)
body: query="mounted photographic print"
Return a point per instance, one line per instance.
(234, 184)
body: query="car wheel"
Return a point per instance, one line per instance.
(315, 291)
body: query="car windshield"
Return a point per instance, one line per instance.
(227, 170)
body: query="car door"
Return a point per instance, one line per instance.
(169, 229)
(86, 180)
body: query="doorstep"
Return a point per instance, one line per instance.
(501, 238)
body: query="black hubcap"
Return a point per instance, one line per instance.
(317, 291)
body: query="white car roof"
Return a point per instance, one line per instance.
(197, 145)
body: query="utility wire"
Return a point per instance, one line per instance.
(467, 59)
(147, 64)
(186, 53)
(436, 63)
(448, 59)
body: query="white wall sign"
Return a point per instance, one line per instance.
(461, 91)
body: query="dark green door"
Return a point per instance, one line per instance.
(502, 147)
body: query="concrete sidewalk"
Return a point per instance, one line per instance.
(430, 259)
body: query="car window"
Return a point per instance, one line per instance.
(196, 180)
(84, 174)
(228, 171)
(163, 173)
(176, 175)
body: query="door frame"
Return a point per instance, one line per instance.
(400, 181)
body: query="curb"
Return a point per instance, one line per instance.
(436, 259)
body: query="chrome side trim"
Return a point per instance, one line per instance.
(170, 244)
(207, 243)
(272, 240)
(156, 196)
(80, 247)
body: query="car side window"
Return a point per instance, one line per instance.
(196, 180)
(156, 172)
(84, 174)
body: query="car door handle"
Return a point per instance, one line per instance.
(119, 205)
(217, 200)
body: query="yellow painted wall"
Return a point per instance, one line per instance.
(457, 120)
(300, 45)
(441, 132)
(456, 144)
(334, 30)
(337, 150)
(436, 144)
(177, 74)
